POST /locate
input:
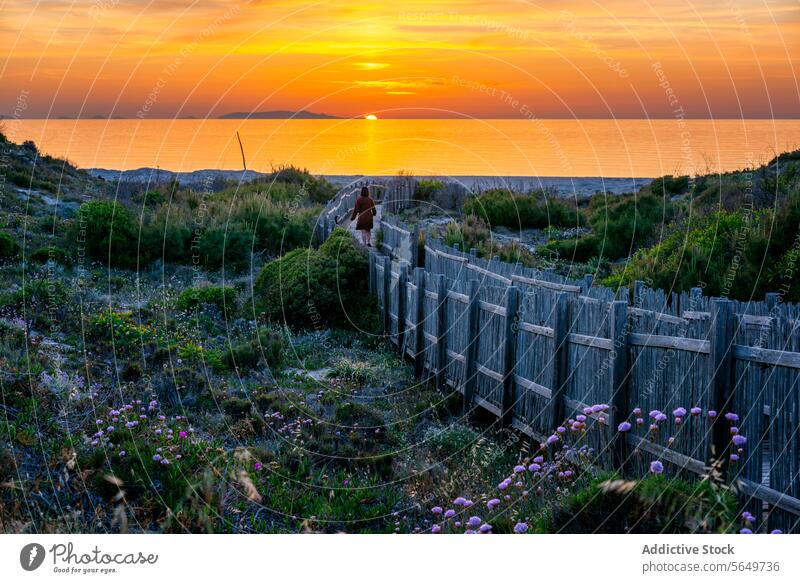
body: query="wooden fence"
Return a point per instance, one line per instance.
(534, 349)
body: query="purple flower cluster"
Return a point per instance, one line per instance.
(142, 421)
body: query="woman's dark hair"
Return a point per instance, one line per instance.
(364, 191)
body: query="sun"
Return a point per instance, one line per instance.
(371, 117)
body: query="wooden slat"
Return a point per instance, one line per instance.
(756, 320)
(430, 337)
(493, 308)
(674, 342)
(492, 408)
(669, 455)
(533, 387)
(592, 341)
(536, 329)
(487, 372)
(694, 315)
(778, 499)
(658, 315)
(463, 298)
(446, 255)
(547, 284)
(767, 356)
(431, 294)
(489, 273)
(456, 356)
(520, 425)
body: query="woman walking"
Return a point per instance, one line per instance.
(364, 211)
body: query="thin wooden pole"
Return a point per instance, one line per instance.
(559, 360)
(511, 326)
(387, 295)
(620, 405)
(441, 331)
(470, 357)
(419, 323)
(402, 300)
(720, 383)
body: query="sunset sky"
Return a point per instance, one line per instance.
(490, 59)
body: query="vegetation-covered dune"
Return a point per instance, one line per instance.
(175, 360)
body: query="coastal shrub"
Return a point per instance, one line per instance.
(741, 254)
(8, 246)
(318, 190)
(471, 233)
(670, 185)
(426, 189)
(218, 247)
(503, 207)
(310, 287)
(624, 223)
(581, 249)
(120, 330)
(41, 302)
(356, 372)
(109, 232)
(50, 253)
(223, 298)
(267, 344)
(166, 237)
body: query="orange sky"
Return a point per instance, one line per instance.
(488, 58)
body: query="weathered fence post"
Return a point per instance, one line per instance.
(720, 385)
(588, 279)
(402, 300)
(470, 357)
(559, 361)
(695, 300)
(441, 331)
(371, 274)
(618, 319)
(510, 355)
(419, 322)
(415, 247)
(387, 295)
(771, 299)
(638, 288)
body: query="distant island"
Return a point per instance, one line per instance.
(277, 114)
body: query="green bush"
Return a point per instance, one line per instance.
(267, 344)
(740, 254)
(109, 232)
(311, 287)
(579, 250)
(224, 298)
(626, 222)
(427, 189)
(167, 238)
(54, 254)
(670, 185)
(318, 190)
(8, 246)
(218, 247)
(237, 408)
(502, 207)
